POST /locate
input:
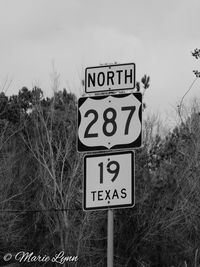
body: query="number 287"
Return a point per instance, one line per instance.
(109, 116)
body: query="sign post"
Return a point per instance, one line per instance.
(110, 241)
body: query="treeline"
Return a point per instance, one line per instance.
(41, 191)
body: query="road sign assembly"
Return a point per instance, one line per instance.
(110, 78)
(109, 180)
(109, 122)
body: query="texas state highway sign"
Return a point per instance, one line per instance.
(109, 181)
(109, 122)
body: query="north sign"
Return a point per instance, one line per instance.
(109, 122)
(108, 181)
(110, 78)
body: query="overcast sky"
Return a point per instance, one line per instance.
(157, 35)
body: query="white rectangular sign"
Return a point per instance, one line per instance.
(110, 78)
(109, 180)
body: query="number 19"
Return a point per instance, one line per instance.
(112, 167)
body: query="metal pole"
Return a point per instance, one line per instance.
(110, 239)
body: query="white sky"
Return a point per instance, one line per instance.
(157, 35)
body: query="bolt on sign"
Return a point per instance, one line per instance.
(110, 78)
(109, 122)
(109, 180)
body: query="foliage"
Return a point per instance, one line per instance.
(41, 188)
